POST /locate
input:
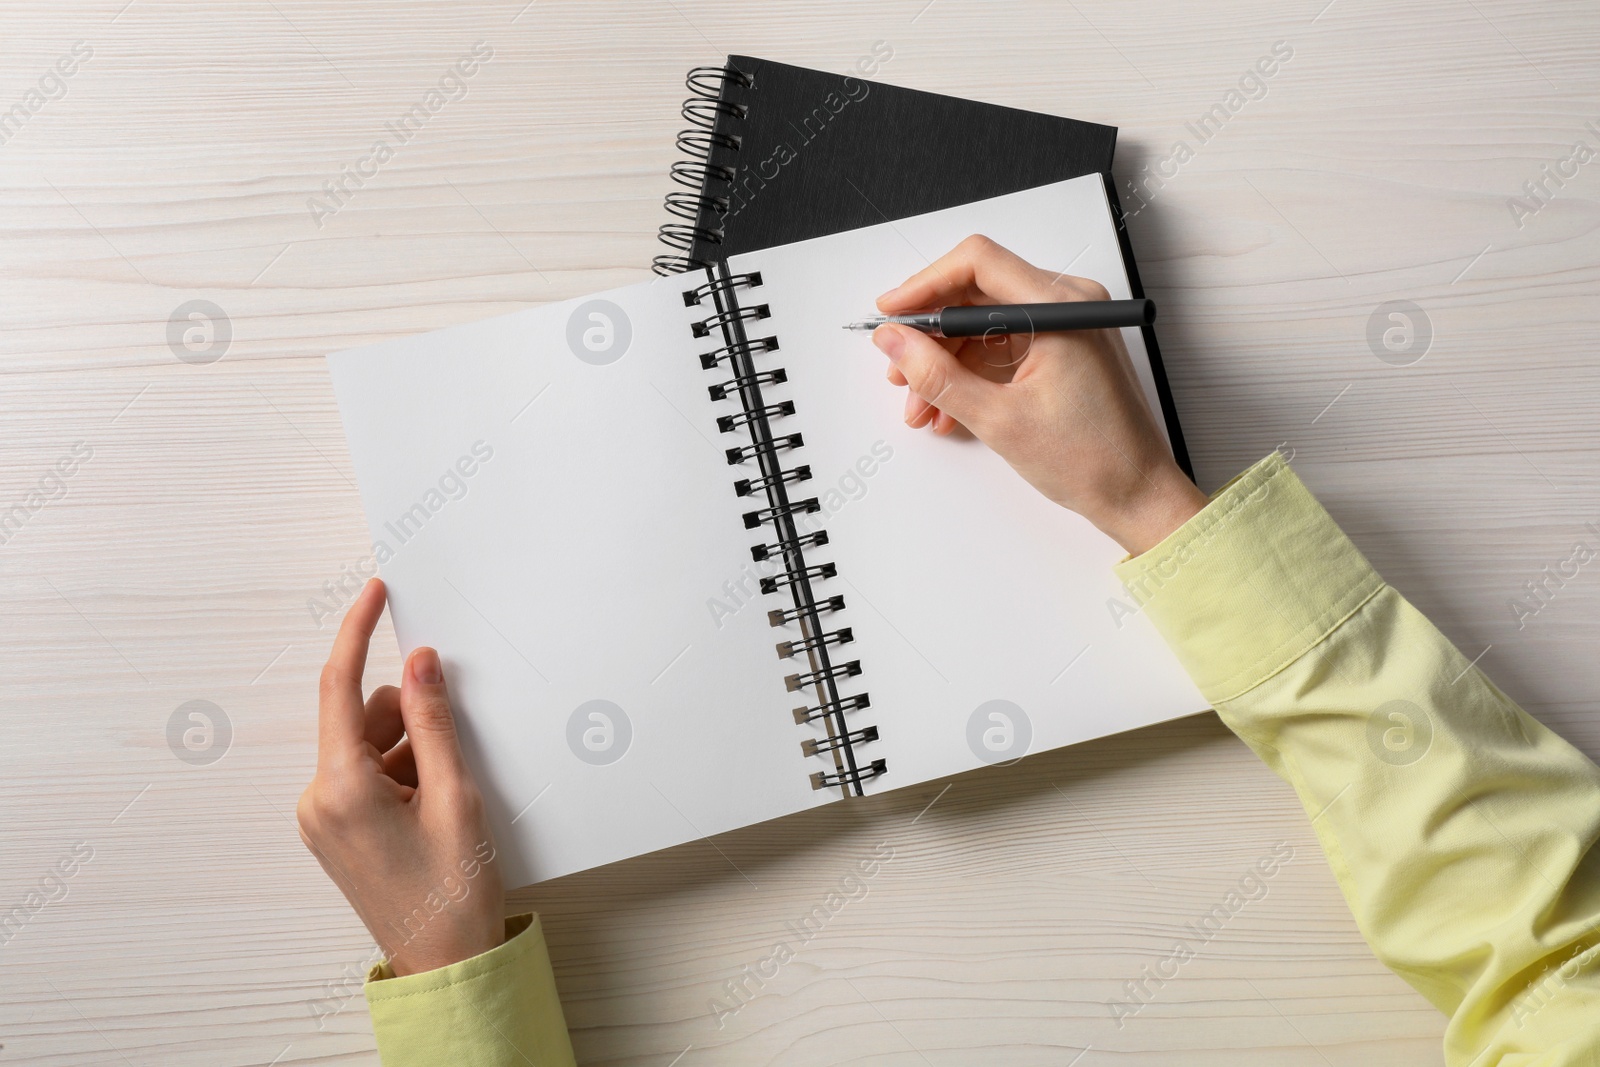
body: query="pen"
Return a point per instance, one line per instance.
(999, 319)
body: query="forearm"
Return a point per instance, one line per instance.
(1460, 829)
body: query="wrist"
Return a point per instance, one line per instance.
(415, 959)
(1145, 517)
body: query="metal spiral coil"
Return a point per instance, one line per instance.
(737, 349)
(784, 616)
(702, 208)
(805, 680)
(694, 296)
(726, 319)
(852, 777)
(830, 707)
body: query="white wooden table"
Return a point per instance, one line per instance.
(209, 502)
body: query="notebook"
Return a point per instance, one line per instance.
(688, 570)
(778, 153)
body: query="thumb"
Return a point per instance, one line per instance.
(937, 376)
(430, 724)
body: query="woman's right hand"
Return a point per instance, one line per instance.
(1066, 410)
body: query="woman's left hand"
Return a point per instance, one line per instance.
(393, 814)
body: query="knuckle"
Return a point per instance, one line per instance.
(932, 384)
(328, 683)
(305, 812)
(977, 244)
(329, 803)
(1089, 289)
(431, 715)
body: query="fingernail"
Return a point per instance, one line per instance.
(887, 295)
(890, 341)
(425, 666)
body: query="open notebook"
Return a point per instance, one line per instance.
(553, 498)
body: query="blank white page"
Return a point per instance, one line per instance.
(581, 560)
(963, 584)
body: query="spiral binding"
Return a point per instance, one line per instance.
(805, 680)
(761, 552)
(823, 781)
(701, 209)
(746, 486)
(841, 636)
(762, 448)
(709, 360)
(805, 715)
(766, 377)
(695, 296)
(804, 574)
(725, 320)
(734, 314)
(784, 616)
(816, 748)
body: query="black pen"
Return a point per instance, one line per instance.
(999, 319)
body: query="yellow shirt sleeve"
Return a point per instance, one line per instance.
(1460, 829)
(498, 1009)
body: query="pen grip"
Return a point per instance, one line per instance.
(973, 321)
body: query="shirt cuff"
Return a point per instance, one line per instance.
(499, 1007)
(1251, 583)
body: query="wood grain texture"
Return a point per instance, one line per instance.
(178, 563)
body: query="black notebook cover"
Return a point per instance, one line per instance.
(779, 153)
(811, 153)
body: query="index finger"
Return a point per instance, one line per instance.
(976, 271)
(342, 716)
